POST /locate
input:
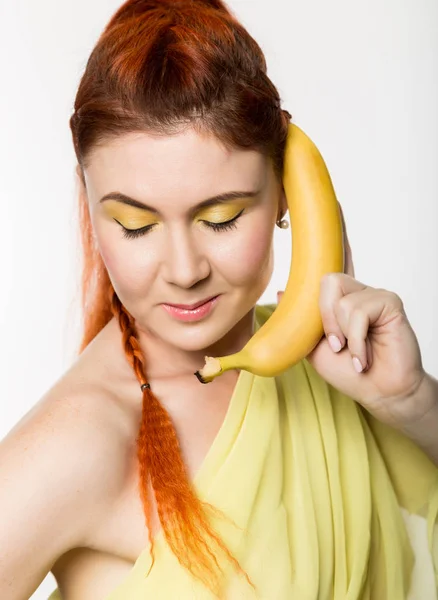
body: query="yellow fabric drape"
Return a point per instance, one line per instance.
(322, 493)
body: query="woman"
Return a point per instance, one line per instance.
(316, 484)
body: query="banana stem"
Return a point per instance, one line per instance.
(216, 366)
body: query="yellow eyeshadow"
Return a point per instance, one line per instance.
(129, 216)
(135, 218)
(220, 213)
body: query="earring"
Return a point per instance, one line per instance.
(283, 224)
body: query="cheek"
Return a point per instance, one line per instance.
(249, 256)
(130, 268)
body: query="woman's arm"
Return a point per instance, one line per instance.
(49, 465)
(424, 431)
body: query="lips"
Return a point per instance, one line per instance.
(191, 306)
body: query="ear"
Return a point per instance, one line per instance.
(282, 204)
(80, 175)
(82, 194)
(348, 256)
(81, 185)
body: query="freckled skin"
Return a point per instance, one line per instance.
(181, 260)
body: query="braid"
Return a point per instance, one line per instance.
(180, 511)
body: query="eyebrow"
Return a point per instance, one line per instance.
(219, 199)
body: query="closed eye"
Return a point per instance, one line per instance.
(134, 233)
(231, 224)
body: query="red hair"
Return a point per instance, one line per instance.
(160, 65)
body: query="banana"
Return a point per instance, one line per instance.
(295, 327)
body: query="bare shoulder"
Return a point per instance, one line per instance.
(73, 427)
(61, 466)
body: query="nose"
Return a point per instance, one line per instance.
(185, 263)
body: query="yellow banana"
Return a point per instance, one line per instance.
(295, 327)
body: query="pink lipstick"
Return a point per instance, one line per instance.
(191, 312)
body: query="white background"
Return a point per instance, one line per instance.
(361, 79)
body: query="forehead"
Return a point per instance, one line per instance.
(165, 167)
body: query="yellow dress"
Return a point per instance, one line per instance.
(330, 503)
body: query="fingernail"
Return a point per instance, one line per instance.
(335, 343)
(357, 364)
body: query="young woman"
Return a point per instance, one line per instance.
(131, 480)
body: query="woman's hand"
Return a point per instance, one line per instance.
(375, 335)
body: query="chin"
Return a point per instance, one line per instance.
(216, 337)
(201, 338)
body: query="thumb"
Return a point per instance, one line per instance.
(279, 295)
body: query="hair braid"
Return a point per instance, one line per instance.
(180, 511)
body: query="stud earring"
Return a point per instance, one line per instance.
(283, 224)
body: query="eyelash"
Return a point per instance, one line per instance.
(134, 233)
